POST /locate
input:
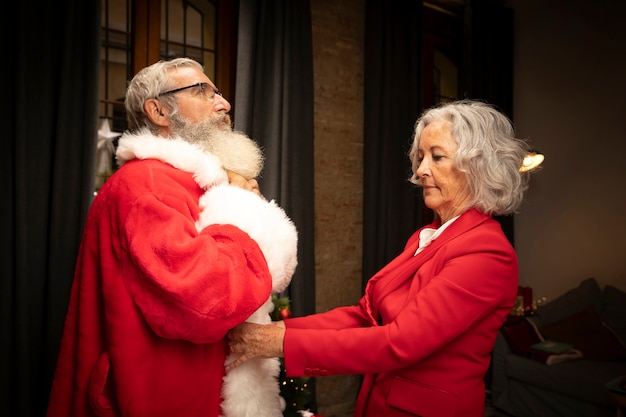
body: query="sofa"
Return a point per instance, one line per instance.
(589, 321)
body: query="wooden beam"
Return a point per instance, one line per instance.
(145, 33)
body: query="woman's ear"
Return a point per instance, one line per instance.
(156, 112)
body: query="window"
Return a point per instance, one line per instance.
(137, 33)
(115, 58)
(188, 29)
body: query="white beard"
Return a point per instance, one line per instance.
(237, 152)
(235, 149)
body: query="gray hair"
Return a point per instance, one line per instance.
(488, 153)
(149, 83)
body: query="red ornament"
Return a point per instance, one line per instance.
(284, 313)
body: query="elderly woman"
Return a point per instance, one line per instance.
(423, 331)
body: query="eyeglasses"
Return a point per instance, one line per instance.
(205, 89)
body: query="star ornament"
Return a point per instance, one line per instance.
(105, 151)
(105, 133)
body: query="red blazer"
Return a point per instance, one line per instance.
(423, 332)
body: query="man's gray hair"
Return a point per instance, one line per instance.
(149, 83)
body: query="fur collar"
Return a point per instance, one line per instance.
(206, 168)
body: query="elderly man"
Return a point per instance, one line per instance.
(178, 248)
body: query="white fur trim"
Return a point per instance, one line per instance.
(252, 390)
(263, 221)
(206, 168)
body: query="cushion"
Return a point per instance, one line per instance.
(587, 333)
(581, 379)
(520, 335)
(573, 301)
(614, 313)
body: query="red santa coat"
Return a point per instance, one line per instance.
(155, 292)
(423, 332)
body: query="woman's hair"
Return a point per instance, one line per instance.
(149, 83)
(488, 153)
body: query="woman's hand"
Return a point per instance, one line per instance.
(255, 340)
(242, 182)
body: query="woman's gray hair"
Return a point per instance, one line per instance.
(488, 153)
(149, 83)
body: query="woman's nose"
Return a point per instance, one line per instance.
(423, 168)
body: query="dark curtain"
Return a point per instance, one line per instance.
(487, 69)
(49, 105)
(392, 206)
(274, 105)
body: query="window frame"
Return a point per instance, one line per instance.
(146, 40)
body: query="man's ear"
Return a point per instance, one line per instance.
(157, 112)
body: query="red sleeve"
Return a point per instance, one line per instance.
(464, 285)
(191, 285)
(338, 318)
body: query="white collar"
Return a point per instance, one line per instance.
(206, 168)
(428, 234)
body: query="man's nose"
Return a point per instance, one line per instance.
(221, 104)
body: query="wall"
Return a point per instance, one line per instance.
(569, 93)
(338, 36)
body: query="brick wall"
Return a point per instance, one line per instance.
(338, 41)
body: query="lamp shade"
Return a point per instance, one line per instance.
(531, 161)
